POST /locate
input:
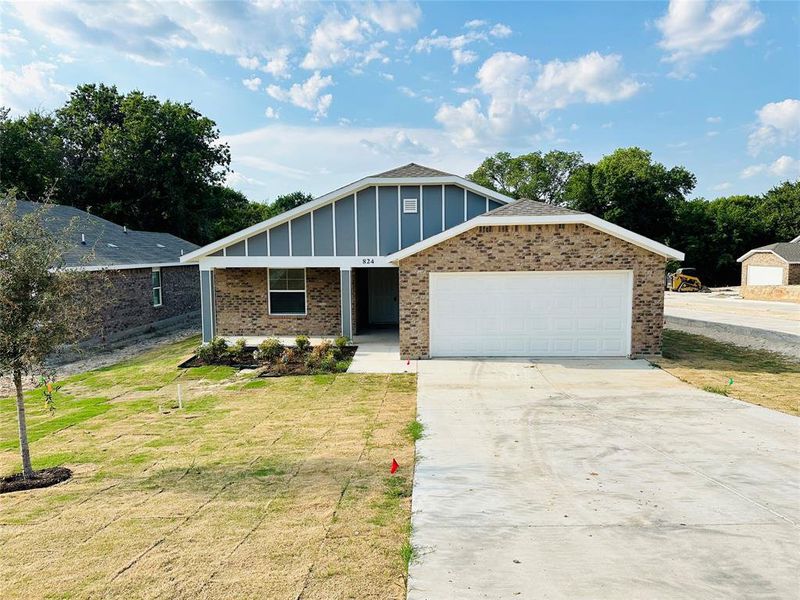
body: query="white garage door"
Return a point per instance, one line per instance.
(570, 313)
(764, 275)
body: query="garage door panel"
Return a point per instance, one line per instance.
(579, 313)
(761, 275)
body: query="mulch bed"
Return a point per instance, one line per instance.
(40, 479)
(297, 366)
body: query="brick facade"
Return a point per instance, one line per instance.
(533, 248)
(241, 304)
(791, 273)
(129, 307)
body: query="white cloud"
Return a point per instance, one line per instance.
(252, 84)
(348, 153)
(394, 17)
(713, 119)
(306, 95)
(387, 76)
(574, 127)
(693, 28)
(475, 23)
(9, 40)
(500, 31)
(712, 133)
(248, 62)
(607, 125)
(725, 185)
(458, 45)
(277, 64)
(784, 166)
(397, 145)
(778, 125)
(271, 113)
(521, 92)
(332, 41)
(29, 86)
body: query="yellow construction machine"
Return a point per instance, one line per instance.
(684, 280)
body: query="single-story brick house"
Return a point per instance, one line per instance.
(458, 269)
(775, 264)
(145, 285)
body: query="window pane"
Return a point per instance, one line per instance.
(297, 280)
(278, 279)
(290, 303)
(155, 278)
(156, 296)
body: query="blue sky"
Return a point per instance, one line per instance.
(312, 96)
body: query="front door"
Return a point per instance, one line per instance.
(384, 308)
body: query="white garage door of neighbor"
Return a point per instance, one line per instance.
(569, 313)
(764, 275)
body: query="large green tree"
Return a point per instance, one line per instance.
(31, 154)
(630, 189)
(534, 175)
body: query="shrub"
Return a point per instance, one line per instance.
(328, 363)
(239, 349)
(341, 342)
(289, 355)
(302, 342)
(213, 351)
(270, 349)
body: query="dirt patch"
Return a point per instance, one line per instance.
(41, 479)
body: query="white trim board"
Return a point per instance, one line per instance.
(337, 195)
(744, 257)
(292, 262)
(580, 219)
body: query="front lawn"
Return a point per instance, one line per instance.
(759, 377)
(257, 488)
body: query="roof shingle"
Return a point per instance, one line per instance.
(789, 251)
(413, 170)
(525, 207)
(112, 244)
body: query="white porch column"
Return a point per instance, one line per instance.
(345, 287)
(207, 304)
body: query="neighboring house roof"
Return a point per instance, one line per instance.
(531, 208)
(108, 245)
(410, 174)
(788, 251)
(531, 212)
(413, 170)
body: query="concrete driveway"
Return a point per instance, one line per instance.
(599, 479)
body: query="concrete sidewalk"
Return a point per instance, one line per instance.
(599, 479)
(379, 352)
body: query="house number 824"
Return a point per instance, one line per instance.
(367, 261)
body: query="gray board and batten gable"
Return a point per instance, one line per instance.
(376, 220)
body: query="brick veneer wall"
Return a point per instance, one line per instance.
(129, 299)
(791, 273)
(533, 248)
(242, 308)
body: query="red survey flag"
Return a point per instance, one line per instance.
(394, 468)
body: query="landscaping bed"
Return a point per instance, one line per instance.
(273, 359)
(40, 479)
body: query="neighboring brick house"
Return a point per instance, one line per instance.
(144, 285)
(772, 272)
(456, 268)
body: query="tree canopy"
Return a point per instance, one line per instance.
(629, 188)
(133, 159)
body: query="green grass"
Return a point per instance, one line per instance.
(758, 376)
(414, 430)
(407, 555)
(248, 476)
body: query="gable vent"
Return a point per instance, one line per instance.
(409, 205)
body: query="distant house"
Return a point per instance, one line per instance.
(772, 272)
(775, 264)
(149, 287)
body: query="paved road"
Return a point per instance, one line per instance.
(599, 479)
(782, 317)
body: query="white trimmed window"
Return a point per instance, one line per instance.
(287, 291)
(155, 281)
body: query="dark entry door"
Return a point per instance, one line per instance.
(384, 307)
